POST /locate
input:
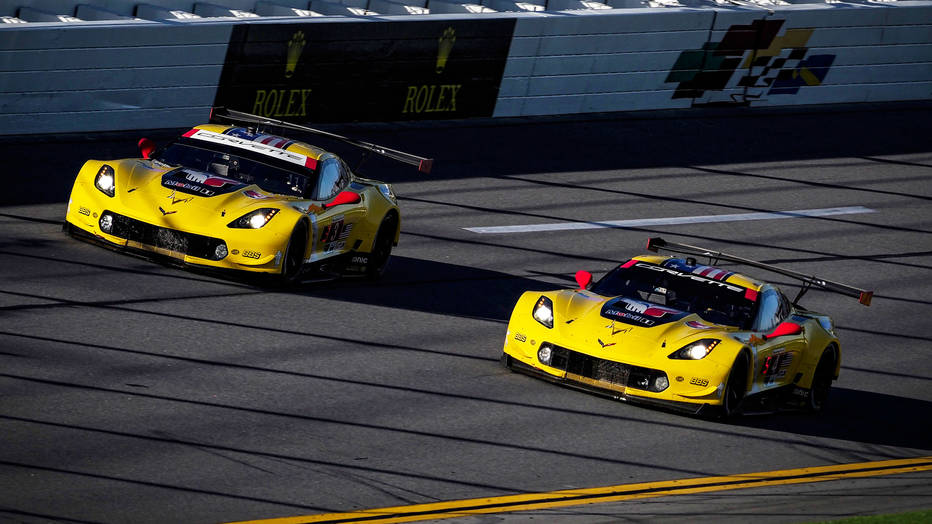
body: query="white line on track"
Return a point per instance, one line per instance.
(672, 221)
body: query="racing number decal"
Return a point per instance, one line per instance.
(332, 230)
(775, 366)
(333, 236)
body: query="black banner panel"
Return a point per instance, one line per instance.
(358, 71)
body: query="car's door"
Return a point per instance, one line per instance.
(334, 227)
(779, 348)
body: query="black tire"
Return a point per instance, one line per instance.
(382, 247)
(294, 254)
(735, 388)
(505, 361)
(822, 381)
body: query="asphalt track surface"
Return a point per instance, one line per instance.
(136, 392)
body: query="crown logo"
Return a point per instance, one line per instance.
(295, 48)
(446, 45)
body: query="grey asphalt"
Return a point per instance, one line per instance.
(136, 392)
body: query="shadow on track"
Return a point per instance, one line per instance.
(433, 287)
(859, 416)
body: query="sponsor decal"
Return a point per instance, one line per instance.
(197, 183)
(359, 260)
(635, 312)
(269, 140)
(255, 194)
(360, 71)
(701, 382)
(749, 63)
(520, 337)
(775, 366)
(84, 211)
(251, 254)
(334, 234)
(695, 324)
(691, 276)
(712, 272)
(253, 145)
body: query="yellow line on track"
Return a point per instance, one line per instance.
(578, 497)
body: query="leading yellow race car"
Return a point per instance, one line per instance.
(233, 197)
(674, 333)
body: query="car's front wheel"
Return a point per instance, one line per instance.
(736, 387)
(294, 254)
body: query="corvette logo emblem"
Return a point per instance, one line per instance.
(616, 331)
(166, 212)
(605, 345)
(176, 200)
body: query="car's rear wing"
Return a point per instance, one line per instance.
(864, 297)
(423, 164)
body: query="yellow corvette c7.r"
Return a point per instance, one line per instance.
(674, 333)
(233, 197)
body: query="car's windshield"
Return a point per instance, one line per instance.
(269, 174)
(713, 300)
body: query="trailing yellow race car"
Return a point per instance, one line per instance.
(234, 197)
(674, 333)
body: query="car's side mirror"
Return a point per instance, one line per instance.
(344, 197)
(146, 147)
(784, 329)
(583, 278)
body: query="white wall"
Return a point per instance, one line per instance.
(105, 76)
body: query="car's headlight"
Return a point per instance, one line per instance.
(255, 219)
(388, 193)
(105, 180)
(543, 311)
(695, 350)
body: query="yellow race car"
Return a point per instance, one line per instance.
(234, 197)
(674, 333)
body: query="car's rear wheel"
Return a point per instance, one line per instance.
(294, 254)
(382, 247)
(822, 381)
(736, 387)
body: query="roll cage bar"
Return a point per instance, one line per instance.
(655, 244)
(424, 165)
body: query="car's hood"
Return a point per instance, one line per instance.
(187, 196)
(624, 328)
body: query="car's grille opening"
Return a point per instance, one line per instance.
(171, 240)
(608, 371)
